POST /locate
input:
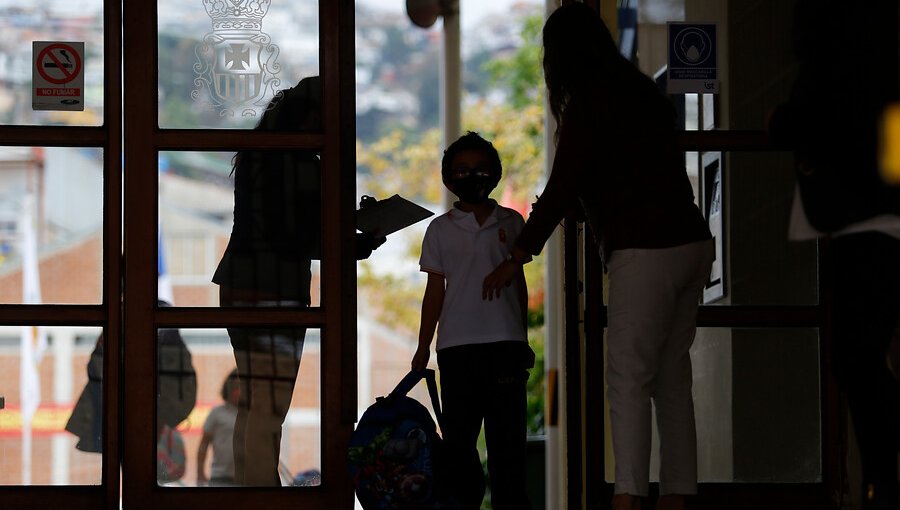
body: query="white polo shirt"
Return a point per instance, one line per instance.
(462, 251)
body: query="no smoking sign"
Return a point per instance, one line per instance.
(57, 75)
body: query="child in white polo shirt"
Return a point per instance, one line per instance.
(482, 346)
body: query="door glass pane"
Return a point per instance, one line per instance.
(221, 62)
(204, 399)
(51, 225)
(50, 421)
(764, 253)
(756, 63)
(748, 199)
(26, 21)
(272, 254)
(756, 399)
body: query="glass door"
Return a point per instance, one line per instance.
(60, 224)
(767, 410)
(239, 193)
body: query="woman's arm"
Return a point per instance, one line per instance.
(559, 197)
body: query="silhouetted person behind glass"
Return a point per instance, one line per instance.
(218, 432)
(176, 386)
(847, 74)
(276, 235)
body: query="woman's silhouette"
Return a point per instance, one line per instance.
(276, 235)
(616, 157)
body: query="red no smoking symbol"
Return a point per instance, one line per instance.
(59, 63)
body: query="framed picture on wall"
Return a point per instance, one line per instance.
(713, 206)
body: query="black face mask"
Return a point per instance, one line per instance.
(473, 189)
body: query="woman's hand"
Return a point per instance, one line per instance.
(366, 243)
(502, 276)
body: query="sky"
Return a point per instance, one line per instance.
(470, 10)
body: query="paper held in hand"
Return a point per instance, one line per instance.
(387, 216)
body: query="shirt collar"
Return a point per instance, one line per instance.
(466, 220)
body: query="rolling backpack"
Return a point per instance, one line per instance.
(394, 456)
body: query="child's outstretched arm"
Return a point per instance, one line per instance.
(432, 303)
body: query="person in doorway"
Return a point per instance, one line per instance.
(482, 348)
(218, 431)
(618, 166)
(843, 197)
(276, 235)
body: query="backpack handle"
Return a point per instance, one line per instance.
(411, 379)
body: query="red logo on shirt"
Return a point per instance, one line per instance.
(502, 234)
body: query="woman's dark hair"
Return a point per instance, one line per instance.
(471, 141)
(271, 199)
(296, 108)
(230, 383)
(293, 109)
(579, 53)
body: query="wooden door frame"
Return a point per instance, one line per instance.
(587, 480)
(336, 317)
(107, 314)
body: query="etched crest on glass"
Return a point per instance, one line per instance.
(236, 64)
